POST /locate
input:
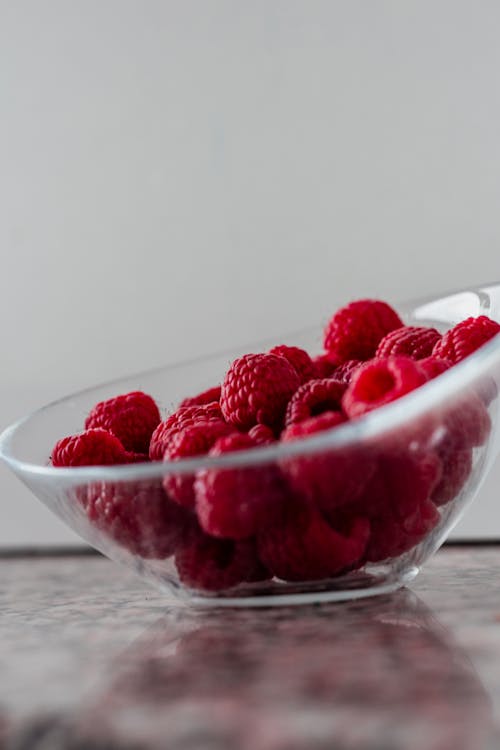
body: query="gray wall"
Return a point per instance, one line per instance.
(182, 175)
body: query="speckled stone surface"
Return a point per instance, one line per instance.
(91, 658)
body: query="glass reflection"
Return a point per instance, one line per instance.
(369, 675)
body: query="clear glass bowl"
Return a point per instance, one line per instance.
(394, 454)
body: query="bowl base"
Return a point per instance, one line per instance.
(274, 594)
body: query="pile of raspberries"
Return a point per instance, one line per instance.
(307, 516)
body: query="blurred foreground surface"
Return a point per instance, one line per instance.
(90, 658)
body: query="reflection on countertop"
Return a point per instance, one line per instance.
(91, 659)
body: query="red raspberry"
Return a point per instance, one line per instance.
(206, 397)
(314, 398)
(464, 426)
(261, 435)
(416, 342)
(457, 466)
(397, 503)
(433, 366)
(328, 478)
(256, 390)
(355, 331)
(132, 417)
(303, 547)
(91, 448)
(467, 423)
(464, 338)
(402, 483)
(183, 417)
(344, 372)
(299, 359)
(379, 382)
(324, 365)
(391, 537)
(194, 440)
(138, 516)
(325, 421)
(217, 564)
(237, 502)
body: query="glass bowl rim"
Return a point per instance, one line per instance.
(364, 428)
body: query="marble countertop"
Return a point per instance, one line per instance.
(91, 658)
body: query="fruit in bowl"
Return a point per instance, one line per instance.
(286, 474)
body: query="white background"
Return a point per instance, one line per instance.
(179, 176)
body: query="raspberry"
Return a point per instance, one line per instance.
(464, 338)
(206, 397)
(467, 423)
(324, 365)
(379, 382)
(463, 426)
(411, 341)
(401, 484)
(256, 390)
(314, 398)
(344, 372)
(183, 417)
(261, 435)
(355, 331)
(237, 502)
(138, 516)
(303, 547)
(194, 440)
(457, 466)
(391, 537)
(299, 359)
(397, 503)
(92, 448)
(132, 417)
(433, 366)
(325, 421)
(328, 478)
(216, 564)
